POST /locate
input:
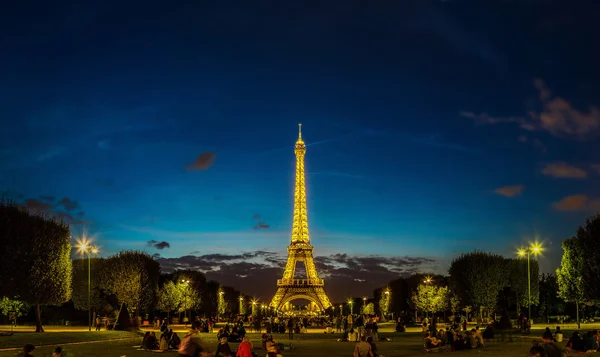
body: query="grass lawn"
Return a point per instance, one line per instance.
(313, 345)
(19, 339)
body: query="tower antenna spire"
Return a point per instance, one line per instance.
(299, 131)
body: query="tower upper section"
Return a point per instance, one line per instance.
(300, 233)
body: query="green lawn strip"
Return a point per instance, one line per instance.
(57, 338)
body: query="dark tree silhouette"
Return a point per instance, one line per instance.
(36, 264)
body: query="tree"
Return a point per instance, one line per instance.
(568, 276)
(550, 303)
(19, 307)
(37, 263)
(210, 298)
(477, 278)
(454, 303)
(190, 296)
(519, 284)
(588, 243)
(369, 309)
(169, 297)
(430, 298)
(80, 286)
(132, 277)
(384, 302)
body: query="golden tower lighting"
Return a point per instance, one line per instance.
(300, 249)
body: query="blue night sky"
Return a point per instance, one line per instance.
(433, 128)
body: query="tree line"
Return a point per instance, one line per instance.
(487, 283)
(37, 271)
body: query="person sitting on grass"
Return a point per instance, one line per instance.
(429, 342)
(373, 346)
(471, 340)
(558, 335)
(245, 348)
(150, 342)
(576, 342)
(174, 340)
(191, 346)
(590, 343)
(537, 351)
(223, 348)
(27, 349)
(163, 344)
(459, 341)
(59, 352)
(548, 345)
(363, 348)
(272, 346)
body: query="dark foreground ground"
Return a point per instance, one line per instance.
(117, 344)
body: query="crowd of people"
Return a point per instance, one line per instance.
(454, 339)
(362, 329)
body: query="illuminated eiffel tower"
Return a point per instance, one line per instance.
(311, 288)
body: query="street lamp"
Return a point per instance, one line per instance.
(351, 303)
(221, 304)
(364, 304)
(535, 249)
(185, 304)
(428, 280)
(84, 246)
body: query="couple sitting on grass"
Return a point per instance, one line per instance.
(366, 348)
(546, 348)
(192, 346)
(29, 348)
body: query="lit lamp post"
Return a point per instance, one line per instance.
(534, 249)
(84, 246)
(351, 303)
(185, 304)
(427, 281)
(241, 305)
(221, 307)
(387, 302)
(364, 304)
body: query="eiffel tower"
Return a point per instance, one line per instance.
(300, 249)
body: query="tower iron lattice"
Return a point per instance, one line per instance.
(288, 287)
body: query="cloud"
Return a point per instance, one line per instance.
(261, 225)
(68, 204)
(577, 203)
(510, 191)
(37, 206)
(345, 275)
(557, 117)
(563, 170)
(256, 216)
(203, 162)
(561, 119)
(62, 210)
(158, 245)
